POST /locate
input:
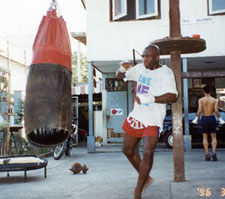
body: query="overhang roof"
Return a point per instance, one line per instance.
(214, 63)
(80, 36)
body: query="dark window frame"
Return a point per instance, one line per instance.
(222, 12)
(112, 88)
(131, 12)
(121, 15)
(145, 16)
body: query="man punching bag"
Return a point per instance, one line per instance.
(48, 108)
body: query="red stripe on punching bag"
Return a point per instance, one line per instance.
(52, 43)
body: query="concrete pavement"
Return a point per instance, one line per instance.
(110, 176)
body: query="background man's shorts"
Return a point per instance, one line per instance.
(208, 124)
(135, 128)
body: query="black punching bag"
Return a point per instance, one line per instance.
(48, 107)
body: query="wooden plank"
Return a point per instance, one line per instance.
(178, 148)
(184, 44)
(174, 14)
(203, 74)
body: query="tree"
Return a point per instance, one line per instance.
(84, 68)
(19, 111)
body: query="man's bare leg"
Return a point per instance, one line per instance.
(131, 151)
(205, 143)
(206, 146)
(145, 167)
(148, 182)
(214, 142)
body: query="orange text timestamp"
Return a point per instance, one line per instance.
(207, 192)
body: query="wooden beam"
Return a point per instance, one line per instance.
(183, 44)
(174, 14)
(80, 36)
(203, 74)
(178, 148)
(175, 63)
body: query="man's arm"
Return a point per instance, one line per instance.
(120, 75)
(162, 99)
(216, 110)
(195, 121)
(199, 108)
(166, 98)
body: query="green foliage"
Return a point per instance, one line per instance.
(26, 149)
(3, 84)
(84, 68)
(19, 111)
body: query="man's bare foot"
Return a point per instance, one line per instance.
(148, 182)
(137, 195)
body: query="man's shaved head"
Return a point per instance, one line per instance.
(150, 56)
(153, 47)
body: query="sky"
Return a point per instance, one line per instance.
(20, 19)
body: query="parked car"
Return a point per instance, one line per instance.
(194, 130)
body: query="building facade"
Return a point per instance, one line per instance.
(119, 30)
(13, 69)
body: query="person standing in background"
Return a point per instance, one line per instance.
(208, 105)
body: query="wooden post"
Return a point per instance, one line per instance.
(175, 63)
(178, 147)
(174, 13)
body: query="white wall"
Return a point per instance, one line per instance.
(17, 64)
(18, 74)
(18, 77)
(211, 28)
(115, 40)
(98, 123)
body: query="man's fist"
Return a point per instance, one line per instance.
(145, 99)
(221, 121)
(126, 65)
(195, 121)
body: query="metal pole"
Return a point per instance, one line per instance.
(187, 136)
(8, 105)
(78, 63)
(91, 138)
(104, 110)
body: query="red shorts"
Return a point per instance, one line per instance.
(135, 128)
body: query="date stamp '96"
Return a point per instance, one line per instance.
(206, 192)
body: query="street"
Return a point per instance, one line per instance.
(110, 176)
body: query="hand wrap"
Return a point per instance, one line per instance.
(195, 121)
(146, 99)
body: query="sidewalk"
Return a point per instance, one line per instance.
(110, 176)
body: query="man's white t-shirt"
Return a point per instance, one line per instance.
(155, 82)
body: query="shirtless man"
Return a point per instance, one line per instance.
(156, 86)
(207, 105)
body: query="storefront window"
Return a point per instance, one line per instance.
(220, 92)
(197, 83)
(113, 84)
